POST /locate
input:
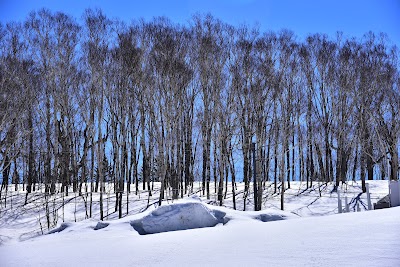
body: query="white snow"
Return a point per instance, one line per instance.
(178, 217)
(239, 238)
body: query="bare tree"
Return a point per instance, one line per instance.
(96, 47)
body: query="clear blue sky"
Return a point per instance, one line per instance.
(352, 17)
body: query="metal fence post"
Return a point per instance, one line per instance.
(347, 204)
(368, 197)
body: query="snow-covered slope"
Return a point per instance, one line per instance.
(354, 239)
(298, 236)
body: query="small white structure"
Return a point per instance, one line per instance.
(394, 192)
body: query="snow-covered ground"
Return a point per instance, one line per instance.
(298, 236)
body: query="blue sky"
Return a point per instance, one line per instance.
(352, 17)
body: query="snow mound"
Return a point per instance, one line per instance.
(177, 217)
(220, 215)
(61, 228)
(100, 225)
(270, 217)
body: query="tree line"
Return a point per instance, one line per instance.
(101, 101)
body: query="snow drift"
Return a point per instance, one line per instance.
(101, 225)
(59, 229)
(270, 217)
(177, 217)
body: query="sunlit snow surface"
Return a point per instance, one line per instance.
(221, 236)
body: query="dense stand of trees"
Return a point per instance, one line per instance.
(84, 104)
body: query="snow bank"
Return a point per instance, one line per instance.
(177, 217)
(100, 225)
(270, 217)
(358, 238)
(61, 228)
